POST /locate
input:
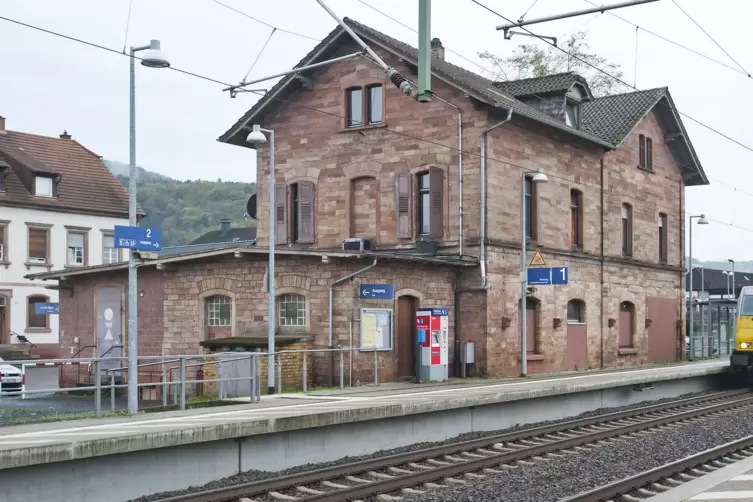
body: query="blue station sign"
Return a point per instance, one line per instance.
(377, 291)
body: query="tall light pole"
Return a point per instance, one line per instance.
(734, 292)
(701, 221)
(257, 137)
(538, 177)
(153, 58)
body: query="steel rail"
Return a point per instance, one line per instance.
(232, 493)
(661, 473)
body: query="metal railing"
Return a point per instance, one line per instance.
(177, 373)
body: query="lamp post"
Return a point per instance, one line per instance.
(701, 221)
(734, 291)
(538, 177)
(257, 137)
(153, 58)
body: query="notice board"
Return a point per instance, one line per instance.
(376, 329)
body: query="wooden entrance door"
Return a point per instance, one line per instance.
(406, 336)
(4, 327)
(662, 334)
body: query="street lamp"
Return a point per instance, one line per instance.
(538, 177)
(701, 221)
(257, 137)
(153, 58)
(734, 292)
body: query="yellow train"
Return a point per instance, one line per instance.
(741, 359)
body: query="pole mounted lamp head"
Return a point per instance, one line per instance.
(256, 137)
(702, 220)
(153, 57)
(539, 177)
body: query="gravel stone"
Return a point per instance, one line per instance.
(553, 480)
(251, 476)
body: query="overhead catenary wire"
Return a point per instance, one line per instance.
(128, 25)
(277, 28)
(569, 179)
(670, 41)
(710, 37)
(259, 54)
(618, 79)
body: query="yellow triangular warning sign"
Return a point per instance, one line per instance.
(537, 260)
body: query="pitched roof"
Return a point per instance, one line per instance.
(717, 282)
(606, 123)
(558, 82)
(85, 184)
(231, 235)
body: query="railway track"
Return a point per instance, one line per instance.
(394, 477)
(661, 479)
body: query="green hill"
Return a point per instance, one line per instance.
(184, 210)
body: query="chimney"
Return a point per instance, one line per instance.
(65, 135)
(224, 226)
(2, 124)
(437, 49)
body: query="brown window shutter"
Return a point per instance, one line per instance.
(649, 154)
(642, 150)
(306, 212)
(37, 243)
(281, 217)
(436, 178)
(403, 192)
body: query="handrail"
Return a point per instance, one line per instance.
(82, 349)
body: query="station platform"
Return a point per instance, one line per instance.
(287, 430)
(732, 483)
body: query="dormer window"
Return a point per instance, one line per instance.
(43, 186)
(572, 114)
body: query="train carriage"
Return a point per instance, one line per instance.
(741, 359)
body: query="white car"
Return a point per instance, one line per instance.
(11, 378)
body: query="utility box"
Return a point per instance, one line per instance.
(467, 356)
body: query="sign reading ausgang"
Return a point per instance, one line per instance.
(377, 291)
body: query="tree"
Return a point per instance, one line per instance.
(530, 60)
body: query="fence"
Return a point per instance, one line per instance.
(713, 329)
(174, 378)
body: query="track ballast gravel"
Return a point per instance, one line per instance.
(251, 476)
(572, 474)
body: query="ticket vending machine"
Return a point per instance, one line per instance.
(432, 325)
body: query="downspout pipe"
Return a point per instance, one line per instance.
(332, 304)
(482, 223)
(601, 280)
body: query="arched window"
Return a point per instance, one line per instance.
(576, 219)
(34, 320)
(219, 310)
(292, 311)
(627, 230)
(576, 311)
(627, 324)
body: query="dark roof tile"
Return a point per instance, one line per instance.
(558, 82)
(613, 117)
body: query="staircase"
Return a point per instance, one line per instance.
(16, 352)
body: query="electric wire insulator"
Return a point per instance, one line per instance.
(399, 81)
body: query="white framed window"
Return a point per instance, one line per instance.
(76, 248)
(219, 310)
(110, 254)
(43, 186)
(292, 310)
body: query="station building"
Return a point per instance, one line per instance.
(357, 159)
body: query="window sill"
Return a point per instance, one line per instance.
(74, 266)
(646, 170)
(37, 330)
(28, 264)
(532, 356)
(627, 351)
(6, 264)
(364, 127)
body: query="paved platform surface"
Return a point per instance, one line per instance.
(51, 442)
(733, 483)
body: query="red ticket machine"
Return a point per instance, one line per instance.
(432, 327)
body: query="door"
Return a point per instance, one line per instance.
(4, 328)
(531, 327)
(662, 334)
(577, 336)
(109, 327)
(406, 336)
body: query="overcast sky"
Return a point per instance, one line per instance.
(48, 84)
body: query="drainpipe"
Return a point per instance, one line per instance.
(482, 224)
(601, 287)
(331, 308)
(460, 173)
